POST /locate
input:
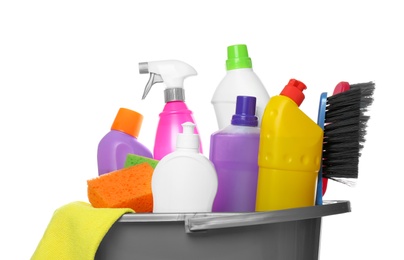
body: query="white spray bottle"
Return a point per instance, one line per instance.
(184, 180)
(172, 73)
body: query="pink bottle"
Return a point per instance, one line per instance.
(175, 112)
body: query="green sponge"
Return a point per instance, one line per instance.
(133, 159)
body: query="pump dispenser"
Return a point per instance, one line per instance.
(172, 73)
(184, 180)
(240, 80)
(289, 154)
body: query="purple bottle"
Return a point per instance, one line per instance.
(120, 141)
(234, 152)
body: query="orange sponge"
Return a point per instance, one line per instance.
(125, 188)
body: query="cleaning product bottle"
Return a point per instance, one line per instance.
(240, 79)
(175, 112)
(120, 141)
(234, 152)
(289, 154)
(184, 180)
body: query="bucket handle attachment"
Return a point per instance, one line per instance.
(196, 224)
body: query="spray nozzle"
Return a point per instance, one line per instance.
(170, 72)
(154, 78)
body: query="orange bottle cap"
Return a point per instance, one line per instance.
(294, 90)
(128, 121)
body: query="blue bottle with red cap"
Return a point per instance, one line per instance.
(234, 153)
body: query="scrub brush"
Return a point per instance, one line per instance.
(344, 121)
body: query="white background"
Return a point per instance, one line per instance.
(67, 66)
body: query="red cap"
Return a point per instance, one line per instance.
(294, 90)
(341, 87)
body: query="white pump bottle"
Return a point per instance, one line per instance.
(185, 180)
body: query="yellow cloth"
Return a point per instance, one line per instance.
(75, 231)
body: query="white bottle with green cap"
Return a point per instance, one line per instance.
(240, 80)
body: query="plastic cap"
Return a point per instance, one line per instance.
(245, 111)
(188, 139)
(128, 121)
(341, 87)
(294, 90)
(143, 67)
(237, 57)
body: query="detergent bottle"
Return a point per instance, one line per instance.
(234, 152)
(172, 73)
(289, 154)
(120, 141)
(184, 180)
(240, 79)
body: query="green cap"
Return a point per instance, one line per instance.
(237, 57)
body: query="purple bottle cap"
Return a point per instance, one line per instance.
(245, 112)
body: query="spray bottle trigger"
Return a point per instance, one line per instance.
(154, 78)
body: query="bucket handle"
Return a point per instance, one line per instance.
(196, 224)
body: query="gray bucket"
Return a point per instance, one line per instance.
(276, 235)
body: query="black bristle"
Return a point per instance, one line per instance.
(345, 131)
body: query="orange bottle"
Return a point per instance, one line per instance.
(289, 154)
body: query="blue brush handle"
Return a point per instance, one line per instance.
(320, 121)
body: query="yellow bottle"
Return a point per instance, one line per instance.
(289, 154)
